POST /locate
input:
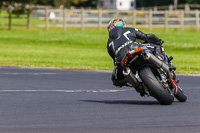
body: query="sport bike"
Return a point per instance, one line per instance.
(152, 74)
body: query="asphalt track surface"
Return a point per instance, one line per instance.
(83, 101)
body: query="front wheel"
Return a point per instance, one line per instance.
(163, 95)
(180, 95)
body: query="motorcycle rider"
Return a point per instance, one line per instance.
(122, 39)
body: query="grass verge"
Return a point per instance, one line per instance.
(86, 49)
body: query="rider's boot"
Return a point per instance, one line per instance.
(168, 61)
(172, 68)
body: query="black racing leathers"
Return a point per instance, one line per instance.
(122, 40)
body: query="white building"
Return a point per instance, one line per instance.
(117, 4)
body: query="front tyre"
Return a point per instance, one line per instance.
(180, 95)
(163, 95)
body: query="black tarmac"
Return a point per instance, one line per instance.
(36, 100)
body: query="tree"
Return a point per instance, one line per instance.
(88, 3)
(151, 3)
(17, 7)
(66, 3)
(193, 1)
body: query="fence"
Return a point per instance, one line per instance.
(99, 18)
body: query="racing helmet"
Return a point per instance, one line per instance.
(117, 22)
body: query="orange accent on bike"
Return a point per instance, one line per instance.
(176, 90)
(174, 83)
(123, 62)
(138, 49)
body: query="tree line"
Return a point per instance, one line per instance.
(55, 3)
(151, 3)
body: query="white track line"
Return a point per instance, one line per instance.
(81, 70)
(29, 73)
(192, 75)
(66, 91)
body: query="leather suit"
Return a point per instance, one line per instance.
(122, 40)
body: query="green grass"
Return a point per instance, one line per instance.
(86, 49)
(71, 49)
(185, 48)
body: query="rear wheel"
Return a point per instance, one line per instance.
(163, 95)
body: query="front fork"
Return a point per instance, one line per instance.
(166, 83)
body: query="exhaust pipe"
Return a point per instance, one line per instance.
(132, 80)
(152, 59)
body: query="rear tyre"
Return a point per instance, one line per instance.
(163, 95)
(180, 96)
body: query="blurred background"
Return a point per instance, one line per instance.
(97, 13)
(73, 34)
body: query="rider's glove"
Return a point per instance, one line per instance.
(160, 42)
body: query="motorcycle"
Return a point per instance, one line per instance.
(152, 74)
